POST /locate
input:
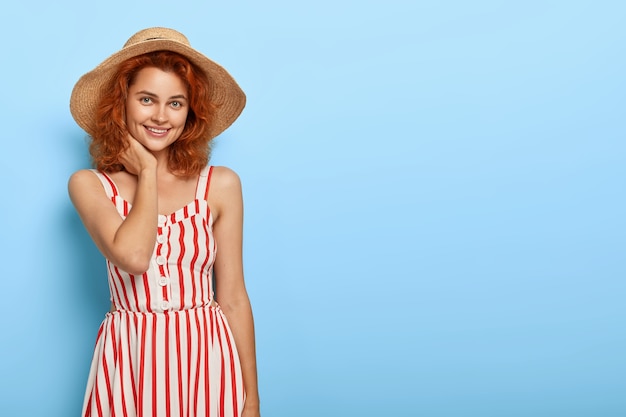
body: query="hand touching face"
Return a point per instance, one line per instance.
(136, 157)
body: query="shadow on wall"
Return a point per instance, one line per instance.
(83, 285)
(87, 280)
(87, 268)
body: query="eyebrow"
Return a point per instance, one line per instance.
(148, 93)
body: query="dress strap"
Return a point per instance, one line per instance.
(204, 181)
(107, 183)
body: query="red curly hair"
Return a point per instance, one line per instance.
(190, 153)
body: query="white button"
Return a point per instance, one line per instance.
(165, 305)
(161, 238)
(163, 281)
(162, 219)
(161, 260)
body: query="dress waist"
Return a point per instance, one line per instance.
(212, 305)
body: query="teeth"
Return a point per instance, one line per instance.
(151, 129)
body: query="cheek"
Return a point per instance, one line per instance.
(181, 119)
(131, 114)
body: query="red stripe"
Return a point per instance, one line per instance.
(213, 320)
(181, 275)
(113, 336)
(146, 290)
(210, 260)
(194, 300)
(107, 380)
(167, 365)
(134, 286)
(120, 349)
(222, 374)
(197, 379)
(131, 365)
(180, 366)
(110, 333)
(120, 281)
(206, 274)
(111, 183)
(211, 281)
(88, 408)
(98, 403)
(142, 358)
(169, 250)
(154, 377)
(188, 321)
(208, 183)
(100, 331)
(113, 287)
(207, 392)
(232, 367)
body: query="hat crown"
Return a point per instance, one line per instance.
(157, 34)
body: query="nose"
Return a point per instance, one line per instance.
(159, 115)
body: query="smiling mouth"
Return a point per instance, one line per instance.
(157, 131)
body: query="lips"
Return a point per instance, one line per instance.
(156, 131)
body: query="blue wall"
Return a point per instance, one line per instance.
(434, 201)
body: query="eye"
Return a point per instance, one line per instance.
(176, 104)
(145, 100)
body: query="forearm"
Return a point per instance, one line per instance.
(135, 238)
(239, 316)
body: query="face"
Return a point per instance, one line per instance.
(156, 108)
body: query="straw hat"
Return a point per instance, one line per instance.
(226, 94)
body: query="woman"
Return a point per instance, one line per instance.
(170, 228)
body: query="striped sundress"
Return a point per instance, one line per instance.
(167, 349)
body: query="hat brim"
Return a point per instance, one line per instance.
(225, 93)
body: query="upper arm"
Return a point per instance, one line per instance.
(95, 209)
(226, 201)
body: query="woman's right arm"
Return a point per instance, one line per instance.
(128, 243)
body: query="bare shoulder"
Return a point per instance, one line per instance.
(81, 175)
(82, 181)
(225, 180)
(88, 196)
(225, 193)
